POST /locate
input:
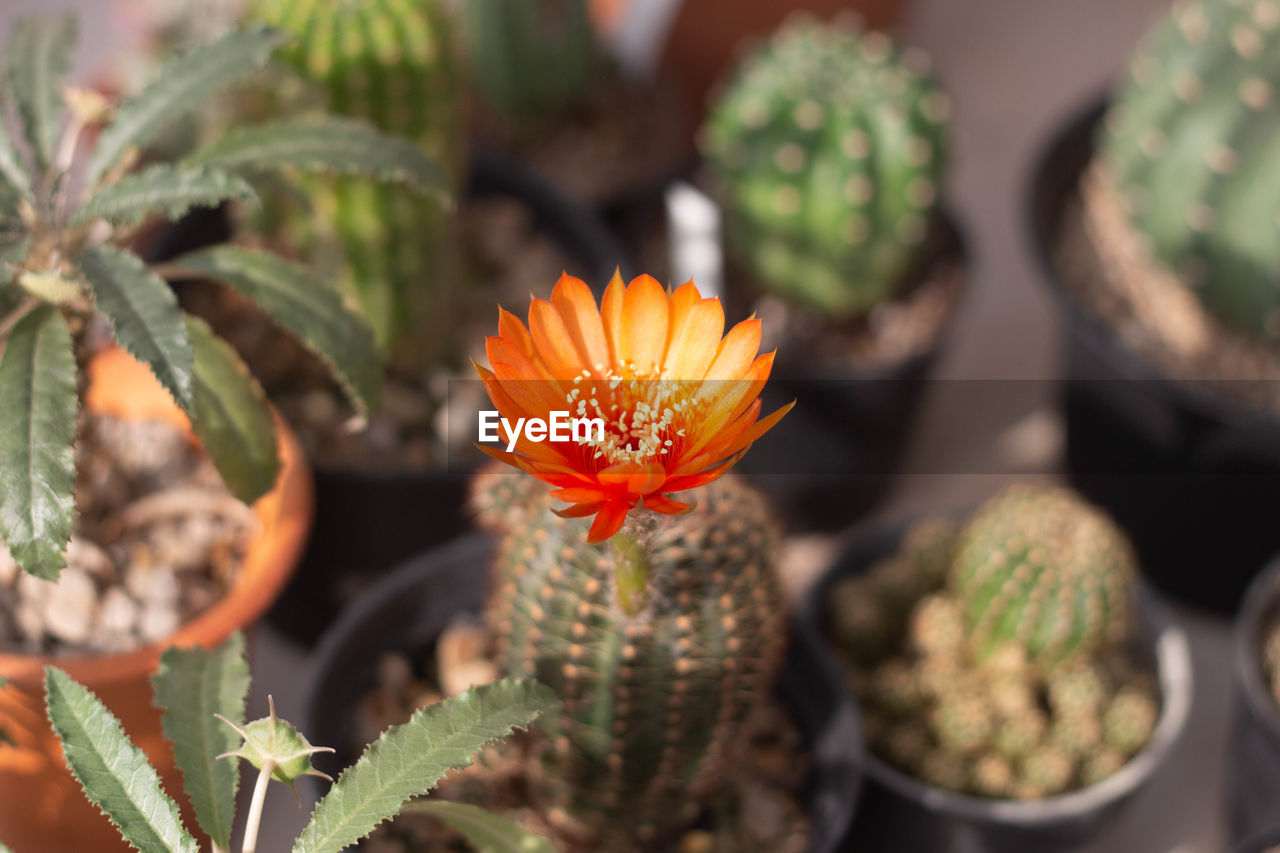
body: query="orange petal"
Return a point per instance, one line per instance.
(685, 297)
(665, 505)
(608, 521)
(554, 341)
(694, 340)
(577, 307)
(611, 305)
(578, 495)
(644, 325)
(634, 478)
(510, 327)
(737, 351)
(579, 510)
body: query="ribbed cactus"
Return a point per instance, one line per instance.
(1040, 571)
(1190, 145)
(656, 697)
(530, 57)
(830, 144)
(391, 62)
(974, 717)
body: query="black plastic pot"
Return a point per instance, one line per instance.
(1194, 478)
(368, 521)
(899, 812)
(1254, 772)
(835, 455)
(409, 608)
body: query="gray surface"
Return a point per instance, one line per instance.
(1015, 67)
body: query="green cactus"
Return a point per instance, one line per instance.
(1130, 719)
(390, 62)
(1189, 144)
(993, 776)
(962, 723)
(1078, 689)
(657, 688)
(530, 57)
(1046, 771)
(830, 146)
(937, 628)
(1020, 734)
(1039, 570)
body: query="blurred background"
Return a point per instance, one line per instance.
(1016, 69)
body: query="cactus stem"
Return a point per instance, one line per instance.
(632, 572)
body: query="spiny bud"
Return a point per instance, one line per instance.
(274, 742)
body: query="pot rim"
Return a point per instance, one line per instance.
(1260, 601)
(334, 650)
(1040, 227)
(126, 388)
(1173, 663)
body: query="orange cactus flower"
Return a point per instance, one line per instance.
(679, 403)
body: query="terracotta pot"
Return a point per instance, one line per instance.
(41, 806)
(705, 36)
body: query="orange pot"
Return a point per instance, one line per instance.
(42, 808)
(706, 35)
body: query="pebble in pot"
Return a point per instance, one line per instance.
(827, 149)
(1011, 694)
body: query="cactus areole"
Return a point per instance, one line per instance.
(660, 624)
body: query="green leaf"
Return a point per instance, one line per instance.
(327, 145)
(115, 775)
(38, 57)
(37, 437)
(485, 831)
(311, 309)
(190, 687)
(144, 313)
(13, 174)
(170, 190)
(232, 418)
(182, 86)
(410, 759)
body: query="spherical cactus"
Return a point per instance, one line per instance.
(1077, 689)
(1019, 734)
(937, 628)
(1189, 145)
(1130, 720)
(993, 776)
(392, 63)
(1040, 571)
(1046, 771)
(962, 723)
(657, 695)
(830, 145)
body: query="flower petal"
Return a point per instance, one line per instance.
(611, 306)
(737, 351)
(553, 341)
(579, 510)
(665, 505)
(694, 340)
(608, 521)
(577, 307)
(644, 326)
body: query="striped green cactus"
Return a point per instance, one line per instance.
(392, 63)
(830, 144)
(1190, 144)
(1039, 571)
(656, 696)
(530, 57)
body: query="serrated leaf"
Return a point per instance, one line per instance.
(485, 831)
(327, 145)
(311, 309)
(190, 687)
(13, 173)
(182, 86)
(144, 314)
(115, 775)
(165, 189)
(37, 437)
(232, 418)
(410, 759)
(38, 57)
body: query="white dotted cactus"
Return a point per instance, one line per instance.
(830, 144)
(1192, 144)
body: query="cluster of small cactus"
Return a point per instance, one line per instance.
(658, 684)
(978, 674)
(1188, 146)
(530, 57)
(830, 145)
(392, 63)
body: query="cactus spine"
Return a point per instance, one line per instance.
(964, 706)
(1040, 571)
(392, 63)
(830, 144)
(656, 690)
(1190, 145)
(530, 57)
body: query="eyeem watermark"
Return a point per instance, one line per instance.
(562, 427)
